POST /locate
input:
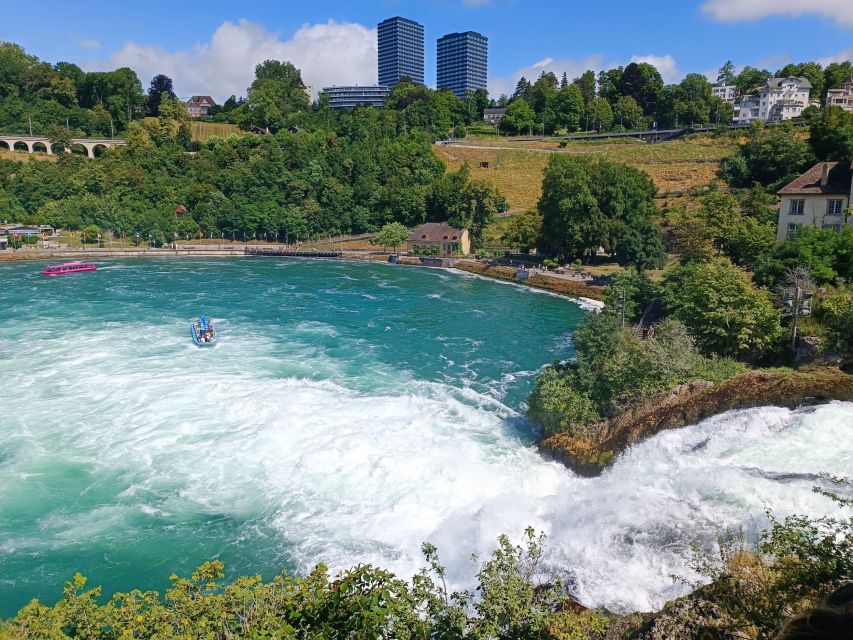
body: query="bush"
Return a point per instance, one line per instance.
(723, 310)
(512, 600)
(799, 561)
(614, 367)
(835, 312)
(557, 405)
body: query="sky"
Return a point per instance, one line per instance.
(211, 47)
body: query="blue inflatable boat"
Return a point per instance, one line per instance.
(203, 333)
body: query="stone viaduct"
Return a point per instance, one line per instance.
(33, 144)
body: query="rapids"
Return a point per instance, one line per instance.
(348, 413)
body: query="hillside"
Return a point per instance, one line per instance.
(676, 167)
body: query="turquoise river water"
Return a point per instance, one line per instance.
(349, 412)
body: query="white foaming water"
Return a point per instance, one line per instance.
(298, 445)
(345, 476)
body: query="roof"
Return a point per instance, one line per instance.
(435, 232)
(200, 99)
(497, 112)
(776, 83)
(839, 180)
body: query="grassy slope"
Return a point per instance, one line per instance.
(676, 167)
(204, 131)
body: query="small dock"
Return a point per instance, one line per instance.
(285, 252)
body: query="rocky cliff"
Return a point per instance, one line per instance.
(591, 452)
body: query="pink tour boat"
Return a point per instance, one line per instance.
(68, 267)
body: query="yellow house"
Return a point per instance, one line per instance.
(440, 236)
(819, 198)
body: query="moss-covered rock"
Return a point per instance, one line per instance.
(590, 452)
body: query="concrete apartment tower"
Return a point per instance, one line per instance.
(462, 62)
(401, 51)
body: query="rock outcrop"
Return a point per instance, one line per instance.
(590, 452)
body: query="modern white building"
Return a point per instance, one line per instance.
(779, 99)
(727, 92)
(352, 97)
(819, 198)
(841, 97)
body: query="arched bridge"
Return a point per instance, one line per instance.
(32, 144)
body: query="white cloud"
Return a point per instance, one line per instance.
(665, 64)
(327, 53)
(746, 10)
(841, 56)
(87, 43)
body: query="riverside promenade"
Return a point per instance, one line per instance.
(197, 251)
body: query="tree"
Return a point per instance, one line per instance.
(160, 89)
(392, 235)
(691, 240)
(831, 134)
(811, 71)
(543, 98)
(276, 94)
(770, 154)
(642, 82)
(722, 309)
(608, 84)
(519, 117)
(586, 84)
(821, 251)
(836, 74)
(58, 135)
(522, 231)
(640, 246)
(726, 74)
(750, 79)
(479, 102)
(600, 114)
(569, 107)
(591, 203)
(628, 113)
(522, 90)
(481, 202)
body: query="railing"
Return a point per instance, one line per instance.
(292, 253)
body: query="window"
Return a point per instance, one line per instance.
(792, 229)
(833, 227)
(797, 207)
(833, 207)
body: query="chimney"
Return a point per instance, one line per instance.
(824, 177)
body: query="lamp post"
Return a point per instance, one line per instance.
(620, 306)
(797, 304)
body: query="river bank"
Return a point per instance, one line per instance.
(591, 452)
(588, 294)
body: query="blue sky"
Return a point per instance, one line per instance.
(212, 46)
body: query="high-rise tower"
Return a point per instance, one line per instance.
(462, 62)
(401, 51)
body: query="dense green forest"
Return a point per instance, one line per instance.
(635, 97)
(316, 173)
